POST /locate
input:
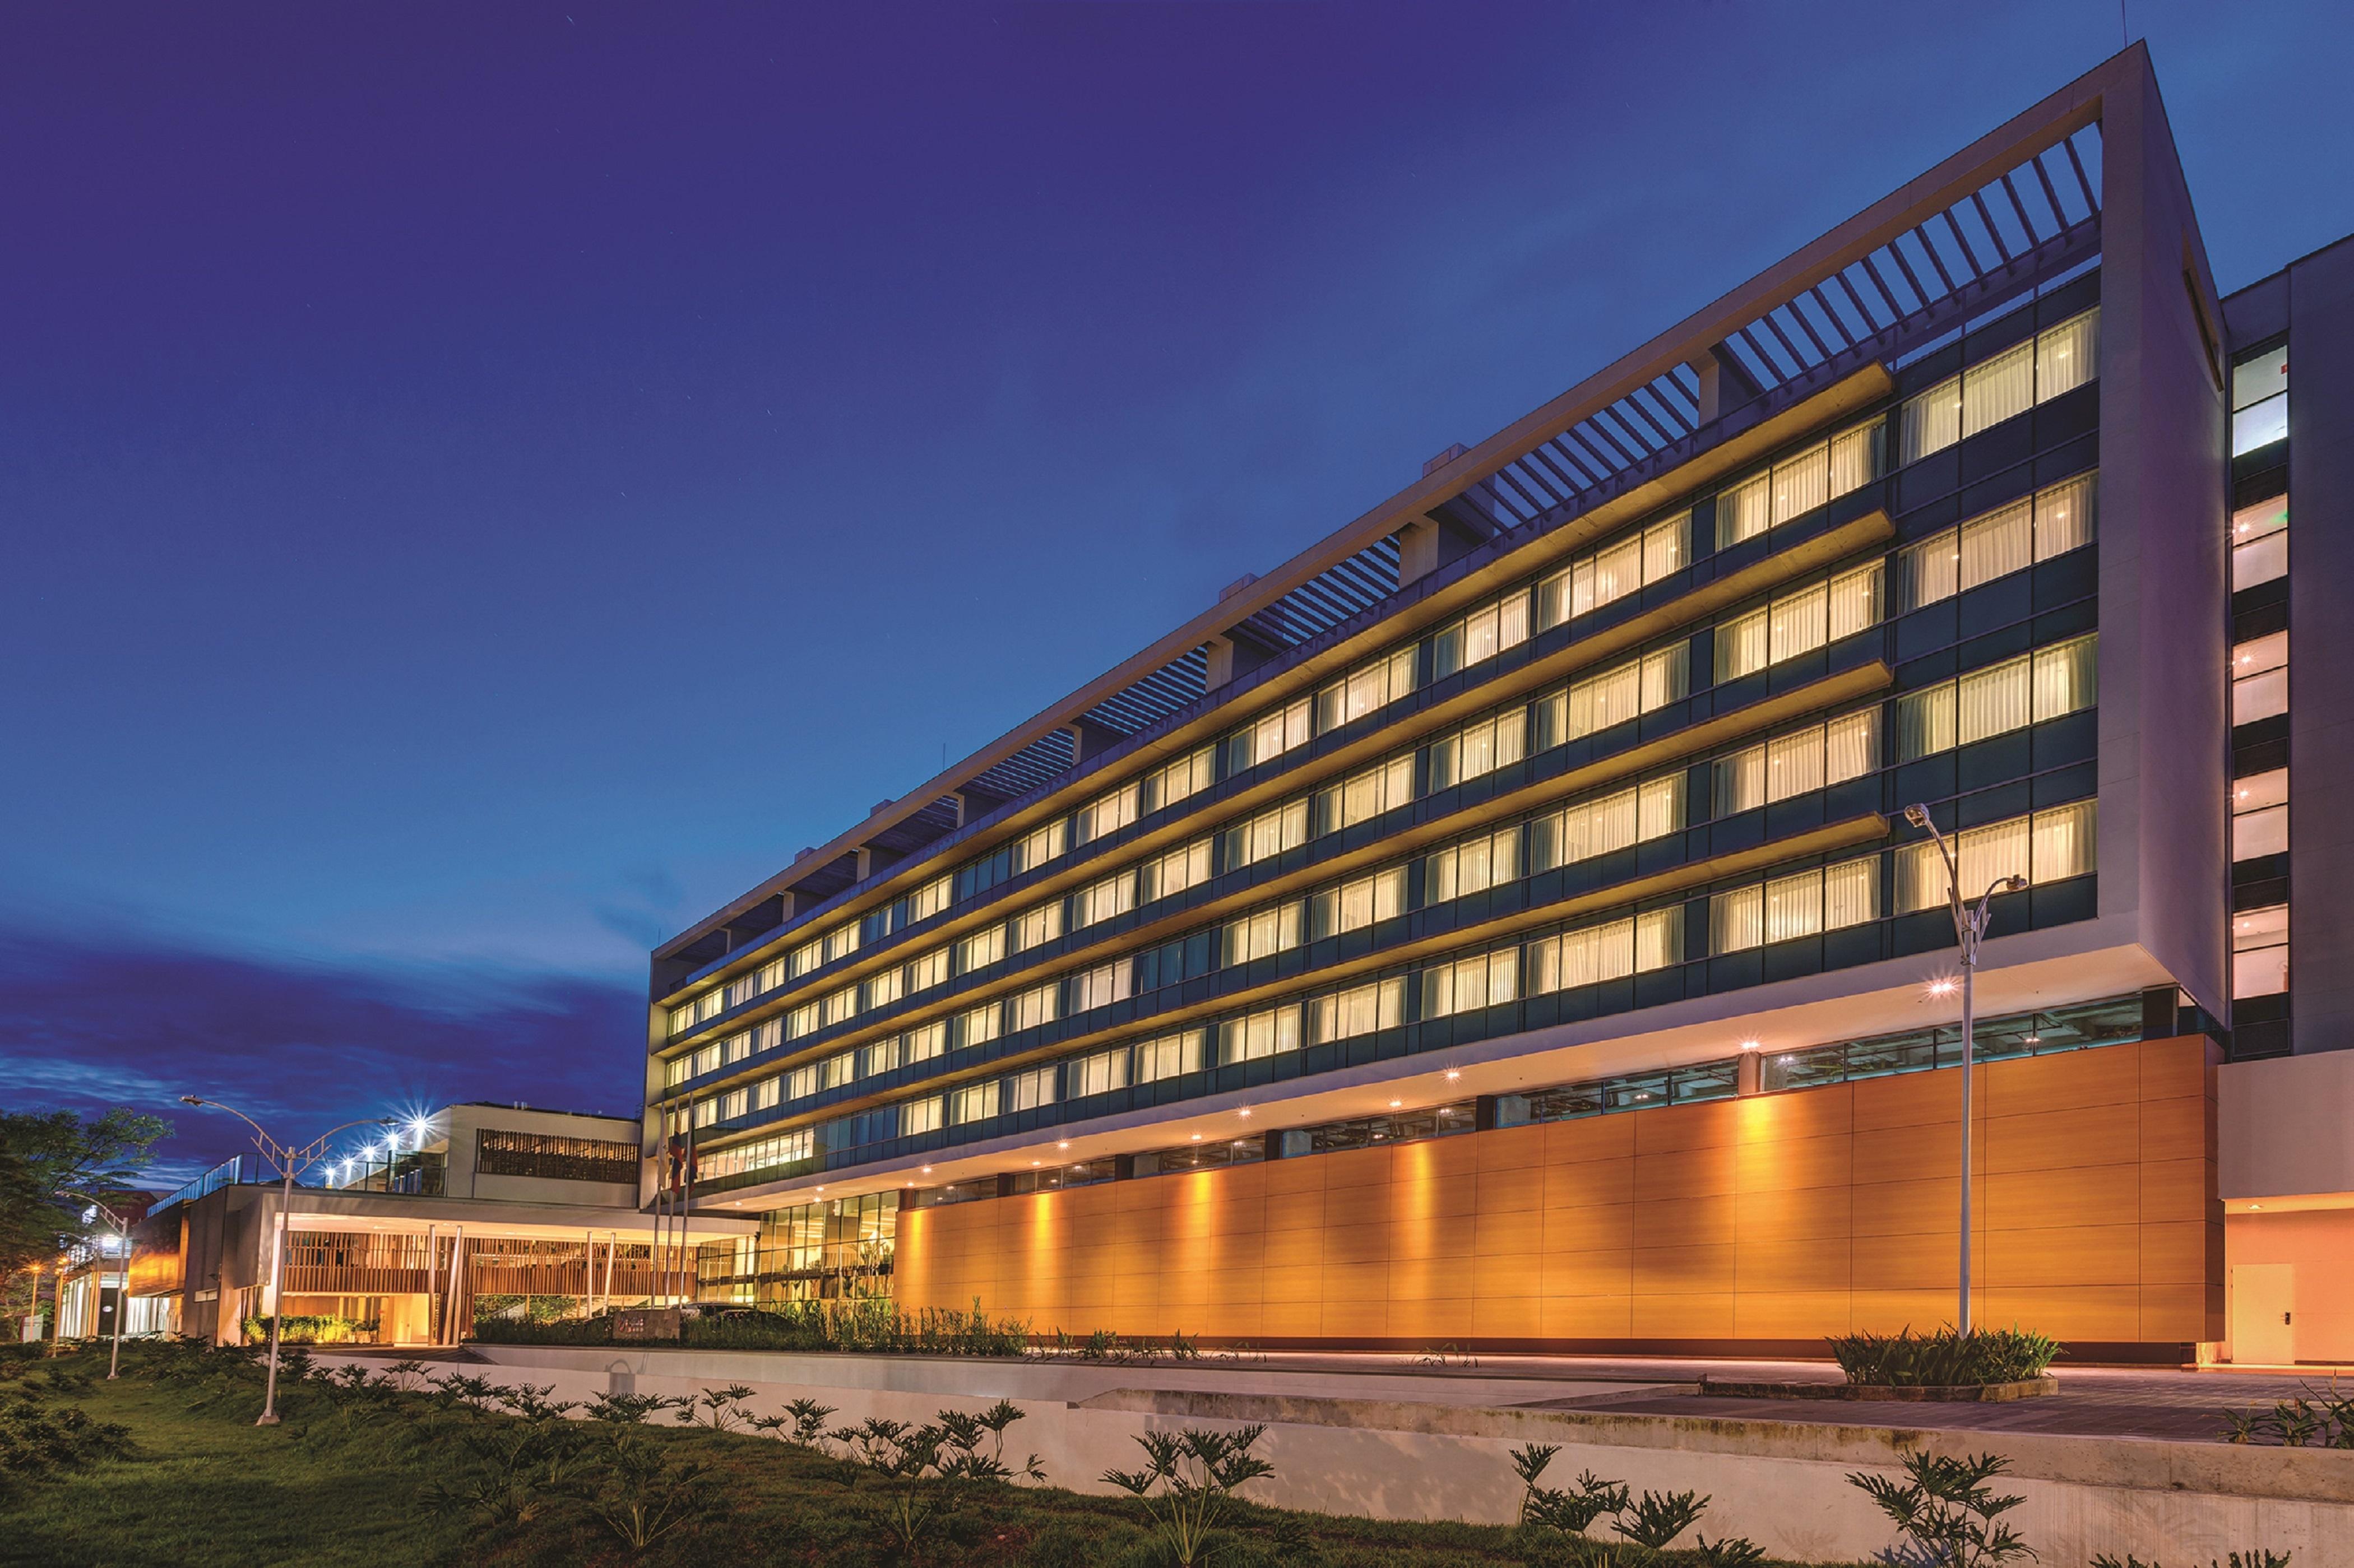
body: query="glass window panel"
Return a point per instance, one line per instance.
(2065, 843)
(1854, 458)
(1737, 920)
(1793, 906)
(2259, 377)
(1852, 892)
(1658, 938)
(1986, 855)
(1741, 646)
(1920, 877)
(2068, 356)
(2066, 678)
(2260, 426)
(2260, 951)
(2260, 678)
(1851, 746)
(1740, 781)
(1998, 388)
(1744, 512)
(1794, 764)
(2259, 561)
(2260, 833)
(1995, 701)
(1801, 484)
(1931, 570)
(1660, 807)
(2064, 514)
(1854, 601)
(1799, 623)
(1932, 421)
(1663, 547)
(1998, 545)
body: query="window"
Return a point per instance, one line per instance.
(920, 1116)
(1024, 854)
(2052, 522)
(502, 1152)
(1610, 951)
(2044, 685)
(1186, 777)
(782, 1150)
(1479, 749)
(2260, 952)
(1472, 866)
(1099, 1074)
(1360, 1010)
(929, 899)
(733, 1104)
(882, 989)
(1482, 635)
(1484, 980)
(2259, 815)
(765, 1094)
(2260, 678)
(801, 1021)
(1367, 689)
(1268, 1032)
(923, 1045)
(925, 971)
(1113, 895)
(974, 1102)
(881, 1057)
(1028, 1091)
(1804, 904)
(1262, 934)
(2049, 846)
(2056, 360)
(2260, 542)
(1811, 758)
(1101, 985)
(1616, 696)
(1168, 1056)
(838, 1006)
(1108, 813)
(2260, 400)
(1269, 834)
(980, 949)
(1362, 797)
(1356, 903)
(1611, 573)
(980, 1025)
(1175, 872)
(800, 1083)
(1033, 926)
(1798, 485)
(1798, 622)
(1606, 823)
(1271, 737)
(1029, 1008)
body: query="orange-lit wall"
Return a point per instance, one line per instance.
(1769, 1218)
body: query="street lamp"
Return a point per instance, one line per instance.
(1969, 929)
(288, 1160)
(122, 1292)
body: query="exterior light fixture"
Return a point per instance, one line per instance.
(1394, 1104)
(1034, 1165)
(1944, 985)
(1453, 1074)
(1244, 1112)
(1064, 1143)
(928, 1169)
(1749, 1044)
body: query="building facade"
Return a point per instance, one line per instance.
(1498, 925)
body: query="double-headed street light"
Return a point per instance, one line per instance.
(122, 1291)
(288, 1160)
(1969, 929)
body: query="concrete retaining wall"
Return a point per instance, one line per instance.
(1402, 1446)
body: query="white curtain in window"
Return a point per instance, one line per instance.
(1582, 958)
(923, 1045)
(1169, 1056)
(1740, 781)
(1667, 676)
(1744, 512)
(1930, 570)
(1997, 544)
(2066, 678)
(1855, 602)
(2065, 842)
(920, 1116)
(1793, 906)
(1615, 572)
(1660, 809)
(1737, 920)
(1854, 458)
(1663, 547)
(1920, 877)
(1986, 855)
(1794, 764)
(1851, 746)
(2065, 515)
(1800, 622)
(1659, 938)
(1258, 1034)
(1741, 646)
(1998, 388)
(2068, 356)
(1932, 421)
(1801, 484)
(1852, 892)
(1925, 722)
(1995, 701)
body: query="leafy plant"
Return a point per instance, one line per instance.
(1738, 1553)
(641, 1492)
(1567, 1511)
(802, 1425)
(530, 1402)
(520, 1469)
(1948, 1510)
(2315, 1419)
(35, 1440)
(1188, 1482)
(1657, 1518)
(926, 1469)
(721, 1409)
(2259, 1558)
(628, 1409)
(1944, 1359)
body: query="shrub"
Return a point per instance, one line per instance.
(926, 1470)
(1188, 1482)
(641, 1492)
(294, 1330)
(2312, 1420)
(1648, 1524)
(1944, 1359)
(1948, 1511)
(35, 1440)
(2259, 1558)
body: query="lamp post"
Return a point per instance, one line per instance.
(122, 1292)
(288, 1160)
(1969, 929)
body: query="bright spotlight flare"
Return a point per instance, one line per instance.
(1969, 929)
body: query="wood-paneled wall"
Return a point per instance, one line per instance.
(1769, 1218)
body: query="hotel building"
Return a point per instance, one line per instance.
(1498, 924)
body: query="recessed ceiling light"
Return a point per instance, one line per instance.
(1453, 1074)
(1064, 1143)
(1244, 1112)
(1394, 1104)
(928, 1169)
(1197, 1137)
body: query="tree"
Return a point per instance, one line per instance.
(43, 1151)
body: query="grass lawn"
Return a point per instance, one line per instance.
(352, 1477)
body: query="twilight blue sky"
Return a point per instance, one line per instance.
(482, 485)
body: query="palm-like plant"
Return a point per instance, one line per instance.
(1188, 1483)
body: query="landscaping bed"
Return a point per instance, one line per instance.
(1933, 1393)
